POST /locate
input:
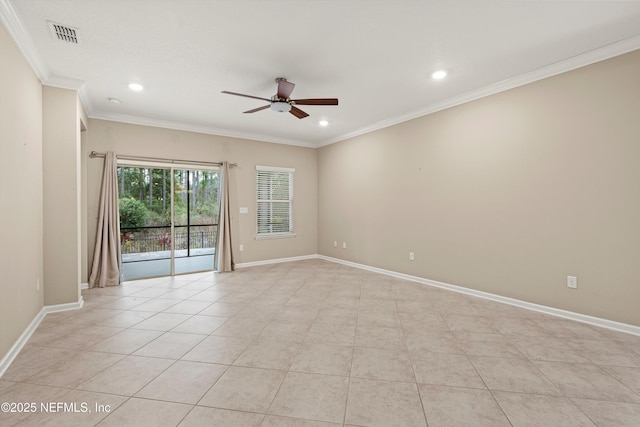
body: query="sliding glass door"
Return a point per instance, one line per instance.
(168, 220)
(196, 205)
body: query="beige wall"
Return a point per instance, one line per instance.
(62, 191)
(20, 193)
(509, 194)
(135, 140)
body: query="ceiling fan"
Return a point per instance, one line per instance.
(281, 102)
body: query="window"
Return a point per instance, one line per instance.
(274, 190)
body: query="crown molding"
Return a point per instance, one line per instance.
(14, 26)
(16, 30)
(85, 100)
(596, 55)
(167, 124)
(63, 82)
(20, 36)
(587, 58)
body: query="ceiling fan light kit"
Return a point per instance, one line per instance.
(281, 106)
(281, 102)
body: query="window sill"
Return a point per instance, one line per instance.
(275, 236)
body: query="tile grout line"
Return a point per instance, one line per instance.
(353, 347)
(404, 339)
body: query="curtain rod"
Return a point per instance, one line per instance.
(158, 159)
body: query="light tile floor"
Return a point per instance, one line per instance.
(314, 343)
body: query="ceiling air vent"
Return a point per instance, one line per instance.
(64, 33)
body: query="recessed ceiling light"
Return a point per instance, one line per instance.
(136, 86)
(438, 75)
(323, 123)
(114, 100)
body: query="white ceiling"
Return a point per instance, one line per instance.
(375, 56)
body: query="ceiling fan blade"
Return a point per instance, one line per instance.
(257, 109)
(246, 96)
(298, 112)
(316, 101)
(285, 88)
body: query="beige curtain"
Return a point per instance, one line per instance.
(106, 257)
(224, 253)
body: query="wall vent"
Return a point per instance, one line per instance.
(64, 33)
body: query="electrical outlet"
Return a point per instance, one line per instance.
(344, 245)
(241, 247)
(335, 243)
(572, 282)
(411, 256)
(37, 284)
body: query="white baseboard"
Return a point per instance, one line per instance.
(583, 318)
(276, 261)
(84, 286)
(26, 334)
(20, 342)
(595, 321)
(64, 307)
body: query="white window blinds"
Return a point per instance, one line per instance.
(274, 190)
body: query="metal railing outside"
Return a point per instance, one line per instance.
(190, 240)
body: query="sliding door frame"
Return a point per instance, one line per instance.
(171, 166)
